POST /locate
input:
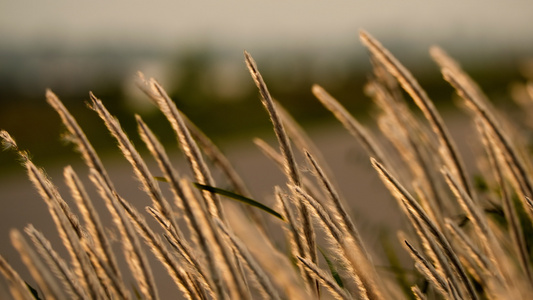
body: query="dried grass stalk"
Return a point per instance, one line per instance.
(70, 234)
(481, 226)
(294, 231)
(93, 224)
(509, 208)
(17, 286)
(411, 86)
(427, 269)
(290, 282)
(341, 215)
(290, 166)
(289, 163)
(56, 264)
(113, 285)
(46, 281)
(324, 279)
(446, 62)
(412, 144)
(268, 290)
(78, 137)
(299, 137)
(434, 250)
(219, 160)
(142, 172)
(454, 294)
(516, 163)
(349, 251)
(182, 202)
(134, 254)
(218, 252)
(479, 262)
(189, 147)
(159, 249)
(418, 293)
(349, 122)
(404, 197)
(217, 157)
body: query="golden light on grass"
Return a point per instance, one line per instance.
(212, 249)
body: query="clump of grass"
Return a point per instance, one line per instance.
(217, 252)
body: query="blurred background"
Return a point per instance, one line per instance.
(195, 50)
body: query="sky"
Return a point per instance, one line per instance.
(255, 25)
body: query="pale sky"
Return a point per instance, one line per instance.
(261, 24)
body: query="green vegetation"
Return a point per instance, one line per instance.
(215, 249)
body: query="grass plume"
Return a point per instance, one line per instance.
(465, 242)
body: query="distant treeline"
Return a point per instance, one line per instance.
(211, 88)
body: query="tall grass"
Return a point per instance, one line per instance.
(215, 250)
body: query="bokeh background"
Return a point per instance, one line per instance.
(195, 49)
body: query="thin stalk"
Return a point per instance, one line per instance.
(290, 166)
(401, 194)
(92, 220)
(137, 261)
(518, 166)
(189, 147)
(267, 287)
(41, 273)
(412, 87)
(56, 264)
(17, 286)
(324, 279)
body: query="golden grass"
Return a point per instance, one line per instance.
(224, 251)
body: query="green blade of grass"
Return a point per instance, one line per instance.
(159, 178)
(239, 198)
(332, 269)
